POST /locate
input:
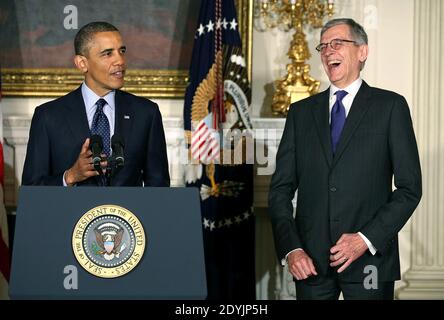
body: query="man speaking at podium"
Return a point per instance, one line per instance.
(60, 149)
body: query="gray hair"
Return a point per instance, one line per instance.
(87, 32)
(357, 32)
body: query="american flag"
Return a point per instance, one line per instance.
(217, 78)
(205, 145)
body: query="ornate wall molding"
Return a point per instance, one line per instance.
(425, 278)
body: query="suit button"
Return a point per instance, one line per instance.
(333, 189)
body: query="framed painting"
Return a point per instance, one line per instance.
(36, 41)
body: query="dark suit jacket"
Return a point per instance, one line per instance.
(60, 127)
(352, 190)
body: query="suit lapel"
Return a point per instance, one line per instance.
(76, 116)
(124, 117)
(320, 113)
(358, 109)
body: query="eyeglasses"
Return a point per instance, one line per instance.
(335, 44)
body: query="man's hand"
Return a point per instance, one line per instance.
(349, 247)
(300, 265)
(83, 168)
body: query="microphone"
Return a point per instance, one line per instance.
(118, 145)
(96, 147)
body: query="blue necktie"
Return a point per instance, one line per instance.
(100, 126)
(337, 119)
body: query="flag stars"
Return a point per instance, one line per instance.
(209, 224)
(201, 30)
(228, 222)
(225, 23)
(233, 24)
(210, 26)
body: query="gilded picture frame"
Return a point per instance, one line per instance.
(152, 83)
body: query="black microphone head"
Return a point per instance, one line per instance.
(96, 147)
(117, 140)
(97, 140)
(118, 145)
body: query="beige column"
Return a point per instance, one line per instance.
(425, 278)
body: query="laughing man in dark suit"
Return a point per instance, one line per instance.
(341, 150)
(58, 149)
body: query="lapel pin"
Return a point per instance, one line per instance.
(126, 117)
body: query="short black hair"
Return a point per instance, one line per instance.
(86, 33)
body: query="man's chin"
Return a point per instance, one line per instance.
(335, 79)
(118, 85)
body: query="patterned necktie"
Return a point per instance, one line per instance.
(337, 119)
(100, 126)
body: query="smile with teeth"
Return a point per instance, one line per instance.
(118, 74)
(334, 63)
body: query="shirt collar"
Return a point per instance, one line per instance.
(90, 97)
(352, 88)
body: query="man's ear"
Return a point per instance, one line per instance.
(81, 63)
(363, 53)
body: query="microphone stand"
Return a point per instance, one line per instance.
(108, 176)
(102, 177)
(111, 170)
(105, 178)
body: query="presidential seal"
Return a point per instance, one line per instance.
(108, 241)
